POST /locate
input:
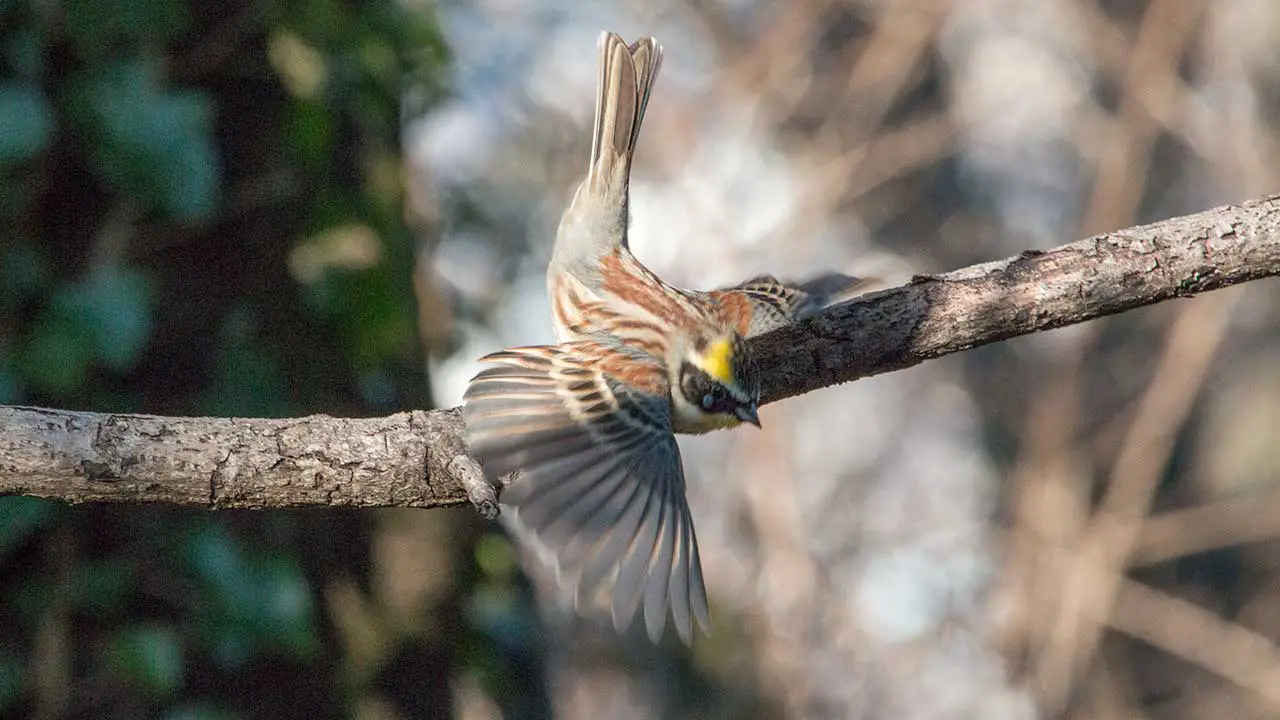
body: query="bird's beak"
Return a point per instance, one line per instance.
(748, 414)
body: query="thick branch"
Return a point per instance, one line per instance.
(418, 459)
(414, 459)
(938, 315)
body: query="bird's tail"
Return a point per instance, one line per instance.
(596, 220)
(627, 75)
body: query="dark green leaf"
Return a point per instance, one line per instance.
(286, 606)
(25, 51)
(249, 603)
(104, 318)
(24, 272)
(11, 680)
(57, 355)
(26, 122)
(103, 587)
(115, 303)
(199, 711)
(10, 383)
(149, 657)
(97, 25)
(211, 555)
(309, 132)
(154, 143)
(247, 380)
(20, 516)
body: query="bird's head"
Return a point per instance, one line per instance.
(715, 386)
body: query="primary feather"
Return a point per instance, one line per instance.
(599, 474)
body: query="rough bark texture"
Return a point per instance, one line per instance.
(414, 459)
(1103, 275)
(418, 459)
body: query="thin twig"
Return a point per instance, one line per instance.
(1224, 523)
(1180, 628)
(1094, 577)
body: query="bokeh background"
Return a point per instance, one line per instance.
(280, 207)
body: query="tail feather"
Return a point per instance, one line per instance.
(646, 53)
(627, 75)
(596, 221)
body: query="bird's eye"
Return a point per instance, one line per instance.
(697, 387)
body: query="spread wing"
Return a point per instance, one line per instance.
(600, 481)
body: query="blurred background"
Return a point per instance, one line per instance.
(282, 207)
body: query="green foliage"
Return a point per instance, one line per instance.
(248, 603)
(27, 120)
(247, 378)
(103, 587)
(148, 142)
(96, 27)
(12, 670)
(24, 274)
(200, 212)
(104, 318)
(10, 390)
(148, 658)
(20, 517)
(309, 131)
(148, 118)
(198, 711)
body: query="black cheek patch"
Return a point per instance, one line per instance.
(694, 383)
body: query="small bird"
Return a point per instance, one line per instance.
(588, 426)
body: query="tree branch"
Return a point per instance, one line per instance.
(418, 459)
(414, 459)
(1106, 274)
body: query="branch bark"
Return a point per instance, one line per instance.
(418, 459)
(1106, 274)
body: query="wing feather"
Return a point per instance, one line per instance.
(656, 591)
(776, 304)
(599, 479)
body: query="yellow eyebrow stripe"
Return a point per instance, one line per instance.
(718, 361)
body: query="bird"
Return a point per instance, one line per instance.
(585, 429)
